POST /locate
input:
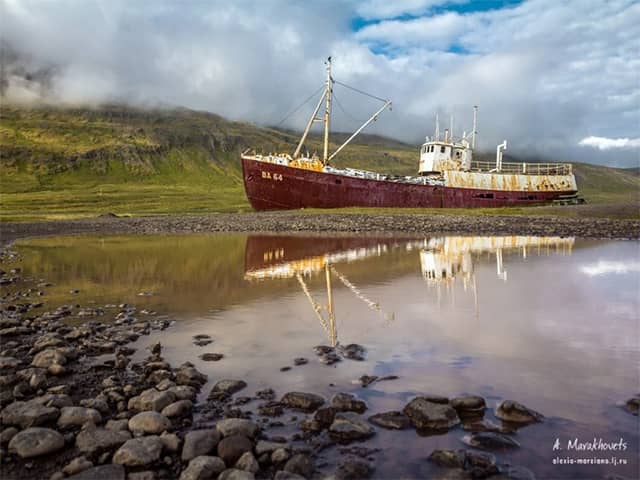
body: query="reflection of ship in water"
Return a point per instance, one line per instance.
(443, 261)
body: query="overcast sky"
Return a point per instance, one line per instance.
(554, 78)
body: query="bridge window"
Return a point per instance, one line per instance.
(442, 149)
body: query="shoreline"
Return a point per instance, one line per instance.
(288, 222)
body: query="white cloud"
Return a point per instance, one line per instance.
(546, 74)
(604, 267)
(603, 143)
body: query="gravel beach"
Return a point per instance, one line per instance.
(397, 223)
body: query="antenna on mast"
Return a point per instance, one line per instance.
(475, 126)
(451, 127)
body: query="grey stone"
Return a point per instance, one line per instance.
(393, 420)
(248, 463)
(300, 464)
(28, 414)
(183, 392)
(235, 474)
(231, 448)
(97, 440)
(348, 427)
(117, 425)
(189, 375)
(48, 357)
(199, 442)
(96, 403)
(264, 446)
(307, 402)
(178, 409)
(346, 402)
(145, 475)
(203, 468)
(352, 468)
(448, 458)
(490, 441)
(7, 434)
(139, 452)
(515, 412)
(233, 426)
(152, 399)
(282, 475)
(78, 416)
(170, 441)
(228, 387)
(280, 455)
(36, 441)
(111, 471)
(77, 465)
(427, 415)
(149, 422)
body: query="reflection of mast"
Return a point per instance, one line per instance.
(328, 324)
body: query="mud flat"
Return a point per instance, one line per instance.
(540, 225)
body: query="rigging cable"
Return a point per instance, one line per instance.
(335, 97)
(286, 117)
(360, 91)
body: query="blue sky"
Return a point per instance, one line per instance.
(557, 79)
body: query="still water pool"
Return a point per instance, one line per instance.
(550, 322)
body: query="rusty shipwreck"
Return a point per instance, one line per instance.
(447, 177)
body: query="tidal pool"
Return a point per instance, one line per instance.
(550, 322)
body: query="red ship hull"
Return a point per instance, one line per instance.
(271, 186)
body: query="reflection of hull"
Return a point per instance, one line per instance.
(263, 251)
(271, 186)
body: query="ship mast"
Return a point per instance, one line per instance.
(327, 111)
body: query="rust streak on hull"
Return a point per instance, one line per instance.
(277, 187)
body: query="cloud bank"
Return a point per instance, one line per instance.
(548, 76)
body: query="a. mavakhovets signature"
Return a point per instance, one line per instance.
(597, 445)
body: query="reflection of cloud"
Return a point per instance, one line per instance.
(604, 267)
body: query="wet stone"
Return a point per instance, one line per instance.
(199, 442)
(178, 409)
(346, 402)
(348, 427)
(307, 402)
(266, 394)
(248, 463)
(211, 357)
(28, 414)
(325, 416)
(633, 405)
(515, 412)
(139, 452)
(490, 441)
(152, 399)
(366, 380)
(300, 361)
(469, 406)
(448, 458)
(7, 434)
(97, 440)
(235, 474)
(271, 409)
(77, 465)
(427, 415)
(47, 357)
(187, 374)
(149, 422)
(392, 420)
(300, 464)
(352, 468)
(78, 416)
(353, 351)
(231, 448)
(102, 472)
(201, 340)
(34, 442)
(226, 387)
(235, 426)
(203, 468)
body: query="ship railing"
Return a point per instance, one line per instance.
(524, 168)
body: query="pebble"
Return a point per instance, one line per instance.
(348, 427)
(300, 464)
(231, 448)
(178, 409)
(149, 422)
(203, 468)
(393, 420)
(515, 412)
(490, 441)
(234, 426)
(235, 474)
(248, 463)
(111, 471)
(347, 402)
(78, 416)
(428, 415)
(77, 465)
(93, 440)
(307, 402)
(36, 441)
(199, 442)
(139, 452)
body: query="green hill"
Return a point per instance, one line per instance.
(70, 162)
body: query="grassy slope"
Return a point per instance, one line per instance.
(60, 163)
